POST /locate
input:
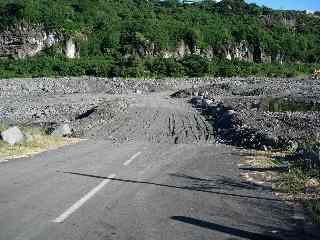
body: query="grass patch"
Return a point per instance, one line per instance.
(295, 183)
(37, 142)
(262, 159)
(292, 184)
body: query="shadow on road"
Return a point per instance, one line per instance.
(222, 182)
(224, 229)
(187, 188)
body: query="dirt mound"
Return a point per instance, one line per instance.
(159, 123)
(96, 117)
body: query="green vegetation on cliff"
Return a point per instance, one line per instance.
(131, 37)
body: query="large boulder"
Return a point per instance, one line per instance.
(312, 186)
(206, 103)
(12, 136)
(62, 131)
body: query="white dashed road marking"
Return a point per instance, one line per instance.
(83, 200)
(90, 194)
(131, 159)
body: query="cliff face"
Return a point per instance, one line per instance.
(70, 49)
(23, 41)
(26, 41)
(241, 51)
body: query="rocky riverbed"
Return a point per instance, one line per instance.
(249, 112)
(261, 113)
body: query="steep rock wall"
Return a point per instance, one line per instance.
(241, 51)
(23, 41)
(70, 49)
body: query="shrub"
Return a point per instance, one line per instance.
(165, 67)
(226, 71)
(192, 66)
(195, 66)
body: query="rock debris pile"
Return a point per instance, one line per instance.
(240, 111)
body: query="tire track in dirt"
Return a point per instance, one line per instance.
(164, 122)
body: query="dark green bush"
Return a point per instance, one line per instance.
(226, 71)
(192, 66)
(195, 66)
(165, 67)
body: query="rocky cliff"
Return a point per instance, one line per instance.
(23, 41)
(242, 51)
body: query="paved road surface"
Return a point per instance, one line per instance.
(139, 187)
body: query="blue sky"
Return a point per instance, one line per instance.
(313, 5)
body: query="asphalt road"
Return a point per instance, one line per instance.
(101, 190)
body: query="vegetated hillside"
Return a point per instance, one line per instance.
(141, 37)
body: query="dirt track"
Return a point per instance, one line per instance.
(156, 118)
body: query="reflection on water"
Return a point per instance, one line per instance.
(289, 105)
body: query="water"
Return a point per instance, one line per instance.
(290, 105)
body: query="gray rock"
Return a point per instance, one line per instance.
(201, 93)
(12, 136)
(62, 131)
(229, 113)
(206, 102)
(196, 100)
(293, 146)
(138, 92)
(28, 137)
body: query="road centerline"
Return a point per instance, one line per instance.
(131, 159)
(83, 200)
